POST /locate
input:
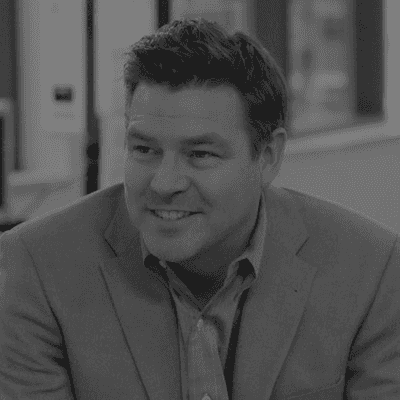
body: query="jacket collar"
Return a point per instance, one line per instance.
(269, 319)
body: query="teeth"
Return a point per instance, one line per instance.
(171, 215)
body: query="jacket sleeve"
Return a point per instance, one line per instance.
(33, 362)
(374, 362)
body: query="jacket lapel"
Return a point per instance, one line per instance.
(269, 319)
(275, 303)
(145, 311)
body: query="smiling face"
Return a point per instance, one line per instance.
(189, 150)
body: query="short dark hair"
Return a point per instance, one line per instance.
(200, 53)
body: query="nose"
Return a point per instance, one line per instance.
(168, 179)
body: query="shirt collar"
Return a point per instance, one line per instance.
(253, 252)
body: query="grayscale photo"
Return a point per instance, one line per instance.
(199, 200)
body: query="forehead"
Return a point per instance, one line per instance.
(221, 105)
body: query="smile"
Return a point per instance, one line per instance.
(171, 215)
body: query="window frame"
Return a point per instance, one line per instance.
(368, 66)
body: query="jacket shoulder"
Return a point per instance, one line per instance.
(336, 231)
(318, 211)
(93, 211)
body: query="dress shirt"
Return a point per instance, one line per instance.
(205, 332)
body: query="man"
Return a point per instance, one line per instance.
(197, 278)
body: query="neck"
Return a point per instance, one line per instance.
(212, 265)
(202, 286)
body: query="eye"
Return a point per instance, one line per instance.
(201, 154)
(141, 149)
(197, 154)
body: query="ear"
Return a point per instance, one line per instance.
(272, 155)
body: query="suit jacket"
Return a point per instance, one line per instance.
(81, 317)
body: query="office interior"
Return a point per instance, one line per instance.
(62, 111)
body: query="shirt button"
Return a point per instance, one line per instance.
(206, 397)
(199, 326)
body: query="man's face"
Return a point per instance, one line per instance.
(166, 170)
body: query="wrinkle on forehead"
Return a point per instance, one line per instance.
(186, 123)
(194, 123)
(213, 104)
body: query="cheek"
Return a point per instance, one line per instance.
(134, 182)
(134, 173)
(239, 194)
(235, 180)
(228, 194)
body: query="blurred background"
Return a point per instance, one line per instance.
(61, 95)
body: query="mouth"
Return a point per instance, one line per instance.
(172, 216)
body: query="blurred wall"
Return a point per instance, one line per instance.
(51, 42)
(362, 176)
(51, 53)
(120, 23)
(358, 167)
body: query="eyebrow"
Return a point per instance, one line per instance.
(209, 138)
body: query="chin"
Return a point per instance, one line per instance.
(168, 249)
